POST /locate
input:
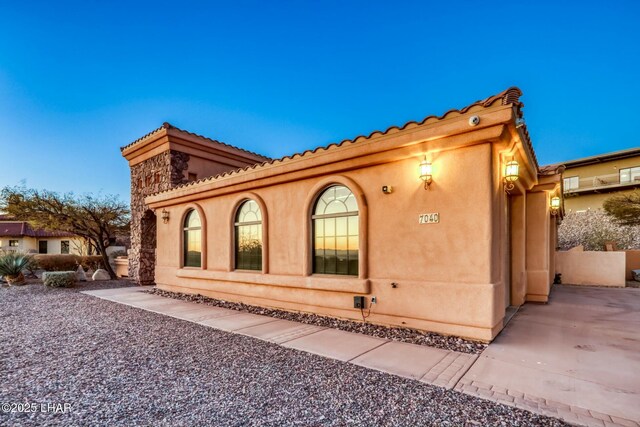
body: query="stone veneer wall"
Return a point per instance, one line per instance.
(159, 173)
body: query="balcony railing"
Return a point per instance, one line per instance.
(601, 182)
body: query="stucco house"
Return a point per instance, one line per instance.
(588, 181)
(21, 236)
(440, 225)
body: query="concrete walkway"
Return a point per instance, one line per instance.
(426, 364)
(576, 358)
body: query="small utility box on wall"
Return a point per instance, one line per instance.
(358, 302)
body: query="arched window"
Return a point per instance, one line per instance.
(248, 228)
(335, 232)
(192, 241)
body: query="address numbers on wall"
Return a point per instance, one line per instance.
(429, 218)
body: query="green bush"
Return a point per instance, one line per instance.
(59, 279)
(12, 264)
(68, 262)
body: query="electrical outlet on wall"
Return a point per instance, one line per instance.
(374, 300)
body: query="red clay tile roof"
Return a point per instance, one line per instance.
(23, 229)
(509, 96)
(167, 125)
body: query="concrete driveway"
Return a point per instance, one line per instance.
(577, 357)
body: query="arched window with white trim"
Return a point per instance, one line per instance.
(336, 232)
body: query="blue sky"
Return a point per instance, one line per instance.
(80, 79)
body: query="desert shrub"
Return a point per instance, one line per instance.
(593, 228)
(68, 262)
(59, 279)
(12, 264)
(56, 262)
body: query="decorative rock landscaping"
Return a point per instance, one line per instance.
(407, 335)
(117, 365)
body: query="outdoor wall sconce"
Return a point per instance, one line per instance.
(165, 216)
(555, 205)
(510, 175)
(425, 173)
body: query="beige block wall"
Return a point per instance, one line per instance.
(591, 268)
(443, 271)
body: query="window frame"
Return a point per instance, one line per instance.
(235, 207)
(184, 229)
(17, 241)
(363, 220)
(46, 247)
(238, 224)
(632, 174)
(68, 246)
(567, 179)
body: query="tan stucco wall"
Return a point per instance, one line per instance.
(591, 268)
(443, 270)
(583, 202)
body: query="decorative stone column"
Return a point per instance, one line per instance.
(159, 173)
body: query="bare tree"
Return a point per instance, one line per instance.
(625, 208)
(95, 218)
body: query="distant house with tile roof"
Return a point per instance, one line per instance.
(22, 236)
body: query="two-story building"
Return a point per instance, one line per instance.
(587, 182)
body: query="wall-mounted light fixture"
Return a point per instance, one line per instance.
(425, 173)
(165, 216)
(555, 205)
(511, 175)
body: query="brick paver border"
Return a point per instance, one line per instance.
(571, 414)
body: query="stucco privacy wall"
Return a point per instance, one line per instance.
(591, 268)
(452, 277)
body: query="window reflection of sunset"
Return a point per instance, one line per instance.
(335, 227)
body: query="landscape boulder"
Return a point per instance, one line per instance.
(81, 276)
(101, 274)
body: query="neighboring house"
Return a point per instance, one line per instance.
(446, 222)
(587, 182)
(21, 236)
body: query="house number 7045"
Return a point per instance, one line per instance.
(429, 218)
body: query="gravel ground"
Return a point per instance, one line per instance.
(411, 336)
(118, 365)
